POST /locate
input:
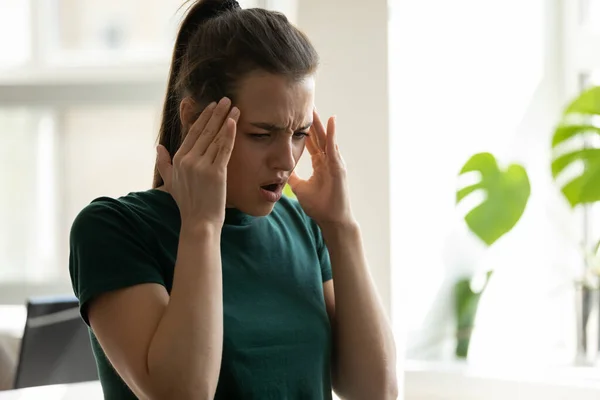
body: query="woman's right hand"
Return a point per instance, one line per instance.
(197, 175)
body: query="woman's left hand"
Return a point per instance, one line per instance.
(324, 196)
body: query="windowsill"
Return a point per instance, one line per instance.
(85, 75)
(52, 87)
(445, 381)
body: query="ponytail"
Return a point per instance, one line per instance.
(170, 132)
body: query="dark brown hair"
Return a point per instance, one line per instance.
(218, 44)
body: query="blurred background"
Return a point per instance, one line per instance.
(423, 89)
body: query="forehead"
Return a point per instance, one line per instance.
(273, 98)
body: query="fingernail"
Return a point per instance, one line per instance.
(234, 112)
(225, 101)
(212, 105)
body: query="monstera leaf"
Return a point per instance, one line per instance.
(507, 195)
(588, 103)
(583, 188)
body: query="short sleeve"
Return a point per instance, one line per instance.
(323, 254)
(108, 251)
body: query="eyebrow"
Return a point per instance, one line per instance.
(276, 128)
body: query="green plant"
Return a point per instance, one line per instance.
(287, 191)
(577, 129)
(506, 195)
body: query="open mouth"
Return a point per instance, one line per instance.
(272, 187)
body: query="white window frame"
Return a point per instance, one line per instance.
(54, 87)
(580, 47)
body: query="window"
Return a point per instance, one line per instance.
(81, 90)
(15, 35)
(84, 31)
(581, 38)
(26, 152)
(467, 86)
(590, 15)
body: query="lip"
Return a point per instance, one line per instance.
(275, 195)
(280, 182)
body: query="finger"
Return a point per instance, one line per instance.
(319, 131)
(339, 155)
(331, 139)
(311, 146)
(226, 143)
(213, 147)
(212, 127)
(196, 129)
(164, 165)
(205, 140)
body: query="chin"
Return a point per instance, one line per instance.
(258, 209)
(250, 203)
(261, 210)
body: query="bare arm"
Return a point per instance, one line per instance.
(165, 347)
(364, 365)
(170, 348)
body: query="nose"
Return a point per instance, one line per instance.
(282, 154)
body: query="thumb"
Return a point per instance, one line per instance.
(164, 165)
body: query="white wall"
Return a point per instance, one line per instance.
(351, 38)
(469, 76)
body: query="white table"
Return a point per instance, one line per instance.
(74, 391)
(12, 323)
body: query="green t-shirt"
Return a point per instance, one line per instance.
(277, 337)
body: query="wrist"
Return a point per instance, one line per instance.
(343, 227)
(200, 230)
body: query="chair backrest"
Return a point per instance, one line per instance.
(56, 345)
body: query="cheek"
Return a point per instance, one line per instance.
(235, 165)
(242, 162)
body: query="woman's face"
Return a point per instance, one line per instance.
(275, 116)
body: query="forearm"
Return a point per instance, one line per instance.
(185, 353)
(365, 354)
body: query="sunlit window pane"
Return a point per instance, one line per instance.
(15, 32)
(591, 14)
(98, 32)
(28, 249)
(83, 32)
(108, 151)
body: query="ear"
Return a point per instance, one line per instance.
(188, 112)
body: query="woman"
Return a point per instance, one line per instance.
(211, 284)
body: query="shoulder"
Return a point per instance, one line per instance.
(290, 210)
(305, 228)
(112, 246)
(101, 212)
(119, 215)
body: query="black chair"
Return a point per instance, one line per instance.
(56, 345)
